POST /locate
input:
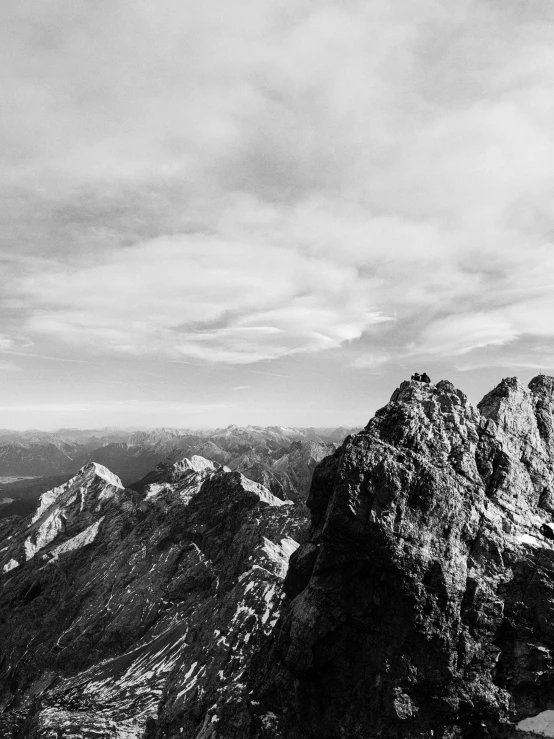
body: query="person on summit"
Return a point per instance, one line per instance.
(425, 378)
(416, 376)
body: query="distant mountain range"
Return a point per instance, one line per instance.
(416, 601)
(281, 458)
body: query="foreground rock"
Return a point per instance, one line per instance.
(422, 604)
(114, 599)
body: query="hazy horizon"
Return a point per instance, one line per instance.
(222, 426)
(113, 429)
(256, 213)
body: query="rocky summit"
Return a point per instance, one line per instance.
(419, 604)
(422, 602)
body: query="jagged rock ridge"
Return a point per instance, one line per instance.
(120, 598)
(422, 603)
(419, 604)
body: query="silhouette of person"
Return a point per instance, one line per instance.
(416, 377)
(425, 378)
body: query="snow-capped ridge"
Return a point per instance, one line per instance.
(79, 540)
(261, 492)
(82, 480)
(100, 471)
(197, 463)
(183, 478)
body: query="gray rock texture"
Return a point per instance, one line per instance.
(421, 603)
(115, 601)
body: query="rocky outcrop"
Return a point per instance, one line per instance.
(422, 602)
(121, 599)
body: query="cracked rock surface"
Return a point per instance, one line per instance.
(421, 603)
(116, 601)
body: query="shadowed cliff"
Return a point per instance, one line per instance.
(421, 602)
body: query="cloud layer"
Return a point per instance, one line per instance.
(244, 181)
(203, 298)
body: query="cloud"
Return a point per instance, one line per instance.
(46, 356)
(370, 361)
(510, 324)
(461, 334)
(203, 298)
(241, 387)
(121, 407)
(6, 342)
(242, 181)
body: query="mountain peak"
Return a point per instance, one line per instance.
(197, 463)
(92, 480)
(542, 384)
(98, 470)
(416, 602)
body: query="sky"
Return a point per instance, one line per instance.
(261, 212)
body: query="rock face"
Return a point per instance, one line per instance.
(112, 600)
(421, 604)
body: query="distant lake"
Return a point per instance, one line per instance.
(10, 479)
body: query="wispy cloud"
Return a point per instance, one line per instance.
(460, 334)
(270, 374)
(163, 296)
(46, 356)
(239, 181)
(5, 342)
(370, 361)
(126, 406)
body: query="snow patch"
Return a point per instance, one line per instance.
(191, 670)
(201, 464)
(262, 493)
(528, 539)
(279, 554)
(192, 682)
(80, 540)
(268, 597)
(100, 471)
(47, 498)
(154, 489)
(45, 533)
(81, 480)
(541, 724)
(11, 565)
